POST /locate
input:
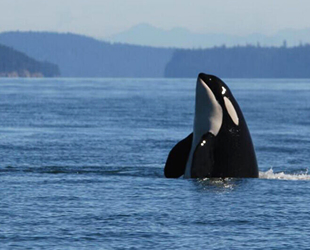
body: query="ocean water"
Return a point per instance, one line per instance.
(81, 167)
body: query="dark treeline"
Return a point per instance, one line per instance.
(242, 62)
(15, 63)
(81, 56)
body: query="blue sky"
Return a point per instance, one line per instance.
(101, 18)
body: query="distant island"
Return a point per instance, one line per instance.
(242, 62)
(72, 55)
(16, 64)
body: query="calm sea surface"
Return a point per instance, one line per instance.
(81, 167)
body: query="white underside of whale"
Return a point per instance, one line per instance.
(208, 118)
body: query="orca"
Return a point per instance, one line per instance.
(220, 145)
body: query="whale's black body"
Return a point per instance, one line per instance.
(220, 145)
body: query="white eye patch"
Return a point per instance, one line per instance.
(231, 111)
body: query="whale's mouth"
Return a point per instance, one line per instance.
(218, 88)
(211, 82)
(205, 77)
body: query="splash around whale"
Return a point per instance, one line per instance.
(220, 145)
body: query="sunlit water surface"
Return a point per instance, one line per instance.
(81, 167)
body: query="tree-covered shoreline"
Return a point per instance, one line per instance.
(242, 62)
(16, 64)
(82, 56)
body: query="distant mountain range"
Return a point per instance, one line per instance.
(16, 64)
(147, 35)
(81, 56)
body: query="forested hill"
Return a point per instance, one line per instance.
(81, 56)
(242, 62)
(17, 64)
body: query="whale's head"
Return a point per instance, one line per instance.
(214, 103)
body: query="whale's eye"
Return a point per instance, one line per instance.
(223, 90)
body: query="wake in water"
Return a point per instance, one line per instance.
(142, 171)
(283, 176)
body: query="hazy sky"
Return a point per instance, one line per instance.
(101, 18)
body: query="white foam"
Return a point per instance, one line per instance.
(283, 176)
